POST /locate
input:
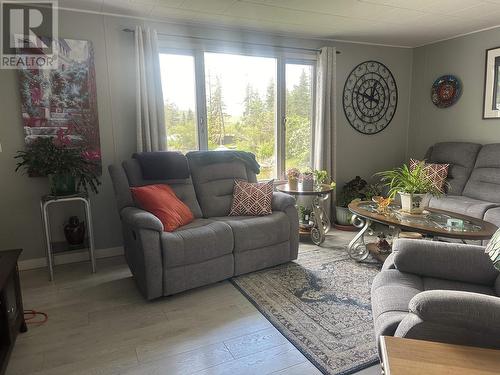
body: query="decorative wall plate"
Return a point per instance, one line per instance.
(370, 97)
(446, 91)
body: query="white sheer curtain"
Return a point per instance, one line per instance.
(325, 119)
(151, 133)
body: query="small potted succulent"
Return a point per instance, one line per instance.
(293, 175)
(412, 184)
(68, 168)
(307, 180)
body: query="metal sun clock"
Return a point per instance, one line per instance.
(370, 97)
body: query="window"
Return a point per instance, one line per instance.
(241, 106)
(299, 105)
(223, 101)
(179, 95)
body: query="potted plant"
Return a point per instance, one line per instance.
(67, 167)
(321, 177)
(412, 184)
(350, 191)
(293, 175)
(307, 180)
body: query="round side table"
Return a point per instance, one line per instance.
(321, 223)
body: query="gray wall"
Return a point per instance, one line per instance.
(464, 57)
(20, 224)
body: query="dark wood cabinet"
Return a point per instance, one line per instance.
(11, 305)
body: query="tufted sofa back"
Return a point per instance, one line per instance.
(214, 184)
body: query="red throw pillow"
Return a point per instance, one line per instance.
(436, 172)
(252, 198)
(162, 202)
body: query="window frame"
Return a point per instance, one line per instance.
(283, 57)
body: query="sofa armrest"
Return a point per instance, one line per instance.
(457, 308)
(138, 218)
(453, 316)
(450, 261)
(282, 201)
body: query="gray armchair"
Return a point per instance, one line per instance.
(438, 291)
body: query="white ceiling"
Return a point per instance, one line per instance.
(408, 23)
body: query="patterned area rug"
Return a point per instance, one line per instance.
(321, 304)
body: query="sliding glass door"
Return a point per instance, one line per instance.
(221, 101)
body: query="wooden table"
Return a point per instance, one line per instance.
(416, 357)
(433, 224)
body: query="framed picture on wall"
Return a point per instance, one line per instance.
(491, 108)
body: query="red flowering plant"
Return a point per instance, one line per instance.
(58, 156)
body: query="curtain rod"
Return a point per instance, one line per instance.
(249, 43)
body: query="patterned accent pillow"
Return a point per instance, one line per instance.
(436, 172)
(493, 249)
(252, 198)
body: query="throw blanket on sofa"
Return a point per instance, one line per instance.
(212, 157)
(162, 165)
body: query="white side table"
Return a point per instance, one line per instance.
(45, 202)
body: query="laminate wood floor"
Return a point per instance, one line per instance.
(99, 324)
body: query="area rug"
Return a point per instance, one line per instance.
(321, 304)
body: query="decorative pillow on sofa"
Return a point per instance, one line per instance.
(162, 202)
(436, 172)
(252, 198)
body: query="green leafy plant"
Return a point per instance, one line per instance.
(352, 190)
(46, 157)
(371, 190)
(411, 181)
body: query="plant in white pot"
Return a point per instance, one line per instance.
(412, 184)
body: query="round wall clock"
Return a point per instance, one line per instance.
(370, 97)
(446, 91)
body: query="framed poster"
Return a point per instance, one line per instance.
(63, 100)
(491, 108)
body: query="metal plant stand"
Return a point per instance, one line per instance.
(321, 223)
(48, 200)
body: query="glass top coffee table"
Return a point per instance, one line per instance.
(432, 223)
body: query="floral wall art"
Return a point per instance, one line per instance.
(63, 102)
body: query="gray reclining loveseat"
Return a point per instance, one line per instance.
(214, 246)
(438, 291)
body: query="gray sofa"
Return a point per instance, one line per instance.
(214, 246)
(438, 291)
(473, 177)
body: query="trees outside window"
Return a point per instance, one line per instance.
(237, 101)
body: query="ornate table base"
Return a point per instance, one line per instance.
(357, 249)
(321, 222)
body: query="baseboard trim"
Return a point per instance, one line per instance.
(70, 257)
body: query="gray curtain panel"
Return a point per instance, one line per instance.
(325, 118)
(151, 133)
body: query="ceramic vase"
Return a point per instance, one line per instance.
(74, 231)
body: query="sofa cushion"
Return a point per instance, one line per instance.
(484, 181)
(214, 184)
(461, 156)
(252, 198)
(196, 242)
(183, 188)
(253, 232)
(162, 202)
(431, 283)
(437, 173)
(392, 290)
(462, 205)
